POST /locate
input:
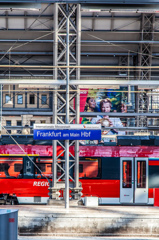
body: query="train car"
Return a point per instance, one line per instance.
(122, 174)
(114, 174)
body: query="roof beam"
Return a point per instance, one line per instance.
(81, 83)
(119, 114)
(82, 41)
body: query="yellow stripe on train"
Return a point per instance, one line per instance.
(19, 155)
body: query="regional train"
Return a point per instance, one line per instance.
(116, 174)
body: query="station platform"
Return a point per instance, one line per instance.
(112, 220)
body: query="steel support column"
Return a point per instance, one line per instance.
(145, 59)
(67, 39)
(76, 189)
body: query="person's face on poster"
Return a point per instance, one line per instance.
(123, 108)
(92, 103)
(106, 107)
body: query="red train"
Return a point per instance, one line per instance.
(115, 174)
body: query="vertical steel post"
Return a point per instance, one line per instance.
(55, 51)
(1, 108)
(54, 166)
(67, 112)
(78, 57)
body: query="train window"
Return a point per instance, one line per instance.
(45, 165)
(1, 167)
(111, 168)
(40, 170)
(7, 170)
(18, 167)
(10, 167)
(141, 174)
(28, 167)
(80, 168)
(4, 167)
(153, 177)
(41, 166)
(90, 168)
(127, 174)
(45, 170)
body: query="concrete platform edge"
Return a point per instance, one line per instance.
(82, 221)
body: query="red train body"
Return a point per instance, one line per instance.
(114, 174)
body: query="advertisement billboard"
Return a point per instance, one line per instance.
(104, 100)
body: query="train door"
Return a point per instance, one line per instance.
(141, 180)
(134, 180)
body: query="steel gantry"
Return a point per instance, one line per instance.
(66, 48)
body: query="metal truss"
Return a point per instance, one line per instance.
(123, 61)
(145, 49)
(143, 101)
(67, 53)
(145, 60)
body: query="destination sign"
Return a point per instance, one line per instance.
(72, 134)
(67, 126)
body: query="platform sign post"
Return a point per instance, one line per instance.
(67, 132)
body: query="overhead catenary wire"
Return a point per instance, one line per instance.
(127, 49)
(82, 44)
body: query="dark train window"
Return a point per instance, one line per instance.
(1, 167)
(17, 167)
(41, 166)
(45, 169)
(111, 168)
(80, 168)
(90, 168)
(28, 167)
(153, 177)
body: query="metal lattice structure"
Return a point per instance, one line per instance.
(145, 49)
(123, 61)
(66, 52)
(145, 60)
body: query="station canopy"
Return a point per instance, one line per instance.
(112, 2)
